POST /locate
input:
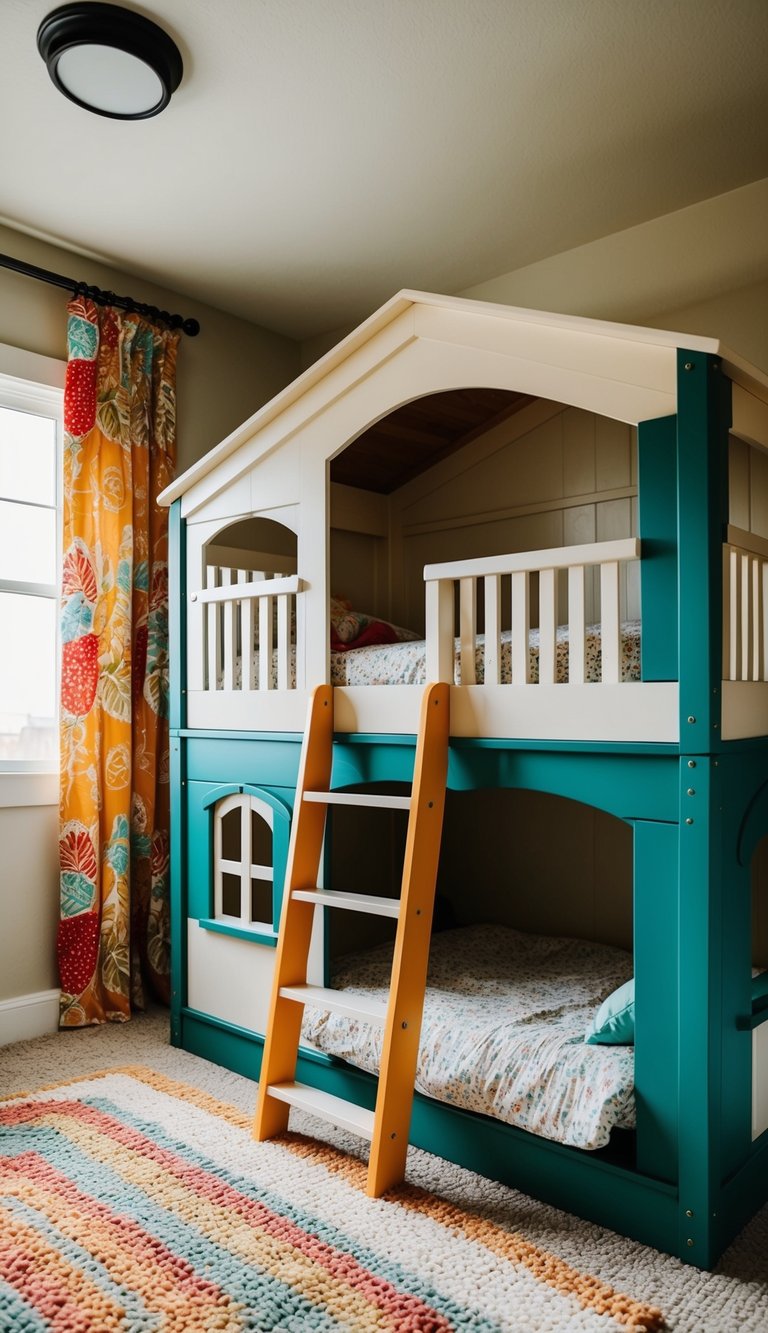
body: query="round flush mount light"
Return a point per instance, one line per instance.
(110, 60)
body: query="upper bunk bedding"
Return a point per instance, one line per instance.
(404, 662)
(503, 1033)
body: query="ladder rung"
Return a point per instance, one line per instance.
(353, 902)
(340, 1112)
(358, 798)
(363, 1007)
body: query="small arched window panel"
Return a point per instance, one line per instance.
(249, 845)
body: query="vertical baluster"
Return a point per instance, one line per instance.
(439, 628)
(764, 590)
(283, 645)
(230, 632)
(212, 618)
(734, 628)
(521, 618)
(746, 620)
(757, 620)
(577, 611)
(467, 625)
(266, 625)
(727, 629)
(547, 627)
(246, 636)
(609, 622)
(492, 585)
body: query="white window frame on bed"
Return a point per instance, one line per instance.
(33, 383)
(244, 868)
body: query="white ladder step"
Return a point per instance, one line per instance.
(358, 798)
(364, 1007)
(353, 902)
(340, 1112)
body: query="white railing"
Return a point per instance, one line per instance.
(249, 620)
(562, 576)
(745, 598)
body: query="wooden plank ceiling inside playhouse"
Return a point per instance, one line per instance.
(479, 362)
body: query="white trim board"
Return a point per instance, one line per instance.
(27, 1016)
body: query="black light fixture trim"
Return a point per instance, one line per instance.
(111, 25)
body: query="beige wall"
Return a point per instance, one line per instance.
(224, 374)
(705, 268)
(29, 885)
(739, 318)
(702, 269)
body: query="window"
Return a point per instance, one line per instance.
(243, 867)
(247, 850)
(30, 535)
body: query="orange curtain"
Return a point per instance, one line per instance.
(119, 450)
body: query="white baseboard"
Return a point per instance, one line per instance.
(27, 1016)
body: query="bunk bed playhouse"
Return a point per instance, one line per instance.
(570, 519)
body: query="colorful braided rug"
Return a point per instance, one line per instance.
(131, 1202)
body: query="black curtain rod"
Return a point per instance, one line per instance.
(188, 326)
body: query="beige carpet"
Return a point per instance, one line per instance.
(734, 1299)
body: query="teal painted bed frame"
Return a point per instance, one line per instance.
(690, 1176)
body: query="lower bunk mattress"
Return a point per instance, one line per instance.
(505, 1020)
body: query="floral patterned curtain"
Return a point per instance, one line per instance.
(119, 449)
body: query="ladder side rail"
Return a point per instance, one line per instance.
(304, 851)
(411, 955)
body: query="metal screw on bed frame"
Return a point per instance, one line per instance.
(404, 1026)
(689, 821)
(691, 763)
(691, 719)
(689, 1212)
(689, 365)
(691, 791)
(689, 1241)
(393, 1136)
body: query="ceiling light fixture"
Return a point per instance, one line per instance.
(110, 60)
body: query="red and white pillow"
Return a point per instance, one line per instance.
(357, 629)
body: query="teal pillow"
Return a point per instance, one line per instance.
(614, 1022)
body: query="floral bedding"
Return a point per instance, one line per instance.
(505, 1018)
(404, 663)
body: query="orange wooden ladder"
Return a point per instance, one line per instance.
(388, 1126)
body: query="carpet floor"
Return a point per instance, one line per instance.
(513, 1227)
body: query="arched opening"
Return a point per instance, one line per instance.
(532, 933)
(250, 635)
(476, 474)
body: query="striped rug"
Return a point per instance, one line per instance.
(132, 1202)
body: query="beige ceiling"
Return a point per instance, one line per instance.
(322, 154)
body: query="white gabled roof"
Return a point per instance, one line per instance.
(479, 315)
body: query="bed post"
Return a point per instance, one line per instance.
(703, 422)
(656, 946)
(657, 489)
(702, 489)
